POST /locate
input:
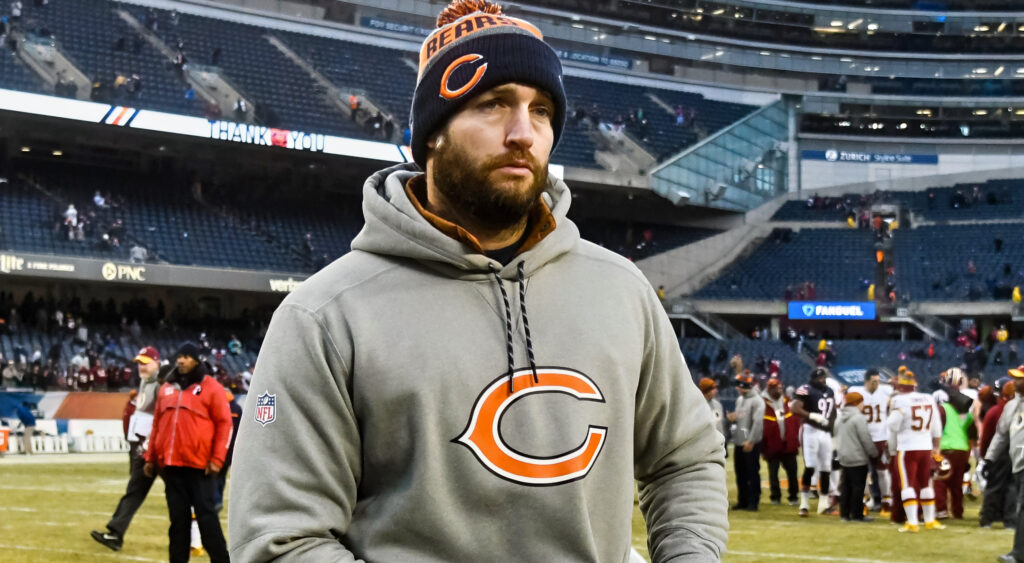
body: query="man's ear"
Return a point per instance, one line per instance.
(436, 142)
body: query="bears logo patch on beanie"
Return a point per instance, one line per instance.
(475, 48)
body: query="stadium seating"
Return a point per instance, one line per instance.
(633, 242)
(710, 357)
(779, 263)
(996, 199)
(664, 138)
(891, 354)
(88, 30)
(930, 271)
(1001, 357)
(14, 76)
(31, 222)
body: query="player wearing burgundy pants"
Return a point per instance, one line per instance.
(914, 437)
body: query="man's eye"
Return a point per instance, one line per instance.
(490, 104)
(543, 111)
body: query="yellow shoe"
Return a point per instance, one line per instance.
(884, 513)
(198, 552)
(934, 525)
(908, 527)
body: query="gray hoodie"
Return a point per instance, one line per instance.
(1008, 436)
(853, 440)
(749, 417)
(380, 424)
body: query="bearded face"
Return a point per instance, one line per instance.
(487, 189)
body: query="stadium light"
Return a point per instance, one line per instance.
(903, 125)
(999, 70)
(855, 23)
(981, 70)
(981, 112)
(981, 28)
(836, 23)
(1001, 27)
(1019, 112)
(872, 27)
(26, 149)
(57, 152)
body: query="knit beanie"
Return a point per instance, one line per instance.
(476, 48)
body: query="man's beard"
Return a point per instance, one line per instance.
(468, 189)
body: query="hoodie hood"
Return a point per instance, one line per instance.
(395, 228)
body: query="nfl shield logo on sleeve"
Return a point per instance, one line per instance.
(266, 410)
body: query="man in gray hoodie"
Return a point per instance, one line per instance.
(1010, 439)
(474, 381)
(749, 418)
(855, 450)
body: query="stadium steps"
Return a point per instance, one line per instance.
(661, 103)
(207, 82)
(710, 323)
(57, 200)
(333, 94)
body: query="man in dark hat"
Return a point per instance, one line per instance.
(349, 449)
(188, 445)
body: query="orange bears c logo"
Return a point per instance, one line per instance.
(483, 433)
(446, 91)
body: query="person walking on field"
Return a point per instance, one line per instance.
(187, 447)
(139, 426)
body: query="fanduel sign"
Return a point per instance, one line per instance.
(833, 155)
(857, 311)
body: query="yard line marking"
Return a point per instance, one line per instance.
(785, 556)
(62, 490)
(73, 552)
(82, 512)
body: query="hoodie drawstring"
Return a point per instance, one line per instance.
(508, 325)
(526, 321)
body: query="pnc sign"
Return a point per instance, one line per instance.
(123, 272)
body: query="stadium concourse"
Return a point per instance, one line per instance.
(837, 185)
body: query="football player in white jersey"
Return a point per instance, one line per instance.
(915, 432)
(876, 408)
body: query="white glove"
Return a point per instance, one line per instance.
(979, 476)
(815, 417)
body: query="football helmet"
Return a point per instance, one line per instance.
(942, 468)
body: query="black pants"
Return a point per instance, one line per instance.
(189, 489)
(134, 495)
(851, 492)
(1000, 502)
(748, 476)
(1018, 534)
(788, 463)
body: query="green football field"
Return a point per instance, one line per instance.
(49, 505)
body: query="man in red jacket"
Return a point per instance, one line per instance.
(781, 441)
(188, 445)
